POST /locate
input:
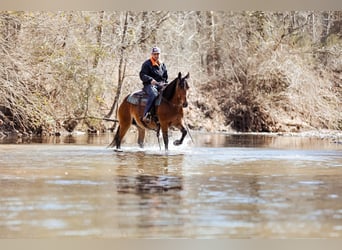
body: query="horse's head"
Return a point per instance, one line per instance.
(175, 91)
(182, 88)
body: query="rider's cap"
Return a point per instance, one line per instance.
(155, 50)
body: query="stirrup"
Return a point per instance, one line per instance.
(147, 118)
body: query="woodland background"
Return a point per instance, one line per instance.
(250, 70)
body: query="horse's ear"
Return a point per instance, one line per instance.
(187, 76)
(179, 75)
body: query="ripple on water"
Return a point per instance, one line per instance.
(311, 182)
(75, 182)
(49, 223)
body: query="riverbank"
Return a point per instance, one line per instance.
(319, 133)
(335, 136)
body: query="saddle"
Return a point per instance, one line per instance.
(139, 97)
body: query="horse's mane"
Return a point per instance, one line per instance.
(170, 89)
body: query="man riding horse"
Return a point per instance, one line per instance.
(169, 106)
(153, 74)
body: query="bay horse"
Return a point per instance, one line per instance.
(169, 113)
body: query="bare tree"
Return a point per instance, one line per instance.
(60, 65)
(122, 65)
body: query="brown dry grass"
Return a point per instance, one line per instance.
(283, 91)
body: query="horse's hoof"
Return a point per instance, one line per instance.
(118, 150)
(177, 142)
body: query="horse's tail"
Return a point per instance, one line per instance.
(116, 139)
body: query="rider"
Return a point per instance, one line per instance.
(153, 73)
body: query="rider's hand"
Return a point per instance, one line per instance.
(154, 82)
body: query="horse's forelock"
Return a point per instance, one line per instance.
(184, 83)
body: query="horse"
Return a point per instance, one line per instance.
(169, 113)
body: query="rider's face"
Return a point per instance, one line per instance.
(155, 56)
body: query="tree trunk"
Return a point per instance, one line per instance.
(121, 69)
(99, 29)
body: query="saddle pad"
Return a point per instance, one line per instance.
(137, 97)
(140, 97)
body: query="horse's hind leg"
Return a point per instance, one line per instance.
(125, 121)
(120, 133)
(117, 141)
(141, 136)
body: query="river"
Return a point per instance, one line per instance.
(213, 186)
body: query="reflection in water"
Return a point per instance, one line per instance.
(147, 183)
(151, 174)
(235, 140)
(263, 141)
(155, 181)
(224, 186)
(69, 139)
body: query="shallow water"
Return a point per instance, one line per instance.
(216, 186)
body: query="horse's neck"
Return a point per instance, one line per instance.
(175, 103)
(170, 93)
(175, 100)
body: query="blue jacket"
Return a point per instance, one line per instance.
(149, 72)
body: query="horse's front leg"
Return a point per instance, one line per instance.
(184, 132)
(165, 137)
